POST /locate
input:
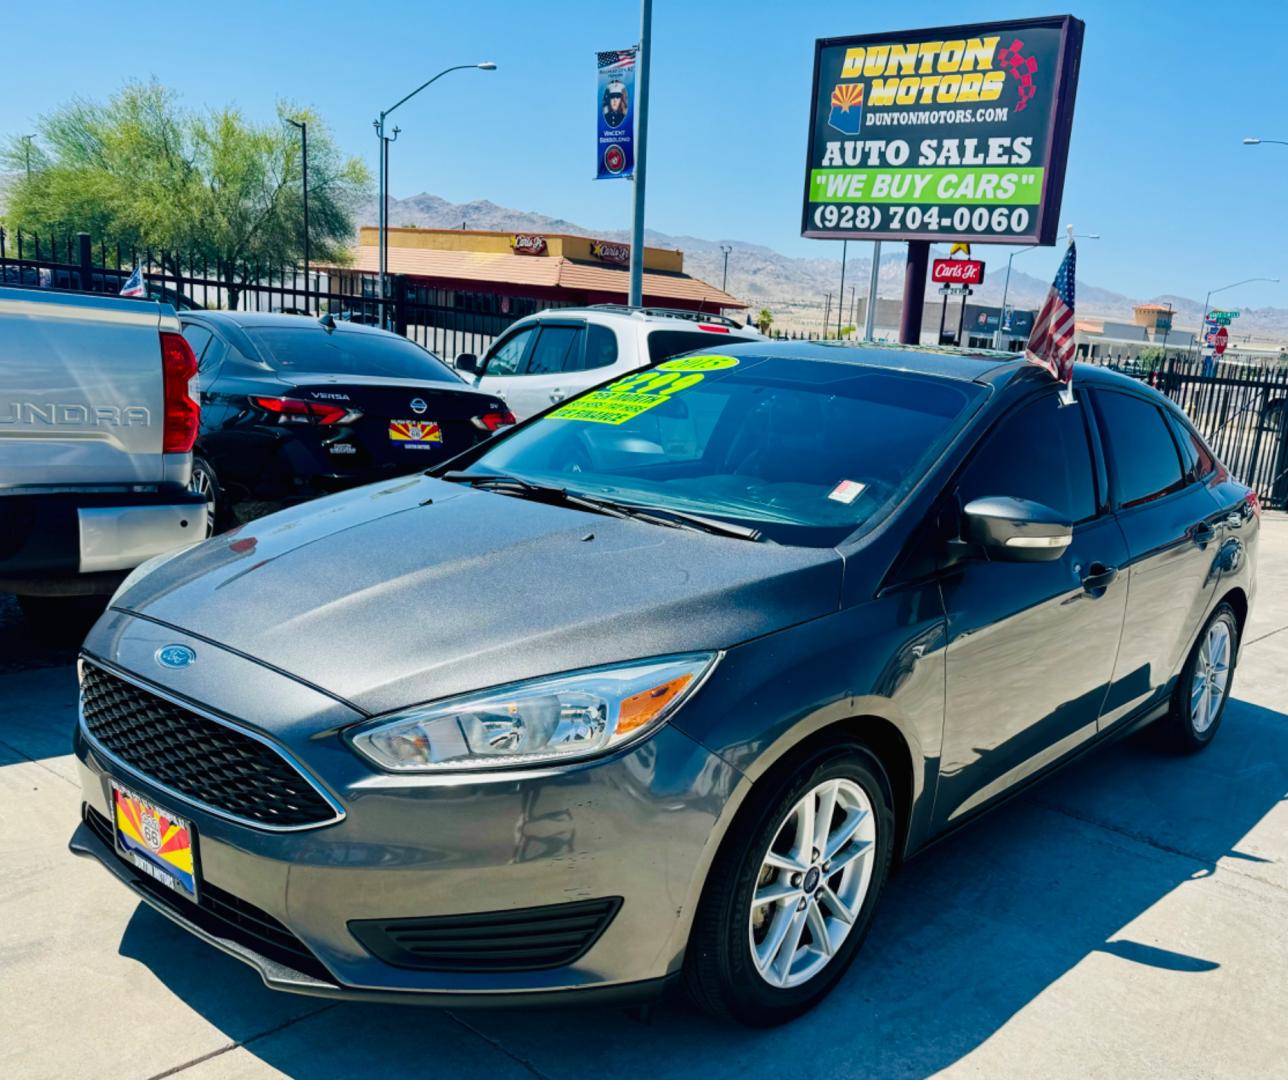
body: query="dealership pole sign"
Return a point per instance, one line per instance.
(615, 127)
(956, 133)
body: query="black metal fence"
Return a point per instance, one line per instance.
(1239, 407)
(445, 321)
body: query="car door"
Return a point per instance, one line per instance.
(1031, 645)
(504, 360)
(1172, 524)
(554, 358)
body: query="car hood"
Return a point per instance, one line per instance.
(404, 592)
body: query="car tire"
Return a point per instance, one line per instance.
(732, 968)
(205, 481)
(1203, 689)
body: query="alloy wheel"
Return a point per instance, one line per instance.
(202, 483)
(1211, 676)
(812, 883)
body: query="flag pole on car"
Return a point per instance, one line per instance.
(1051, 343)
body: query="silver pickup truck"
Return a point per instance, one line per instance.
(98, 413)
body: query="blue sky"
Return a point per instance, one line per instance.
(1157, 166)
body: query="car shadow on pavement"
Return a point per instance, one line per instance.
(969, 933)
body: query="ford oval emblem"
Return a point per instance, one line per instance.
(418, 405)
(175, 656)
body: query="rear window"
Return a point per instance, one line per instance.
(664, 344)
(340, 352)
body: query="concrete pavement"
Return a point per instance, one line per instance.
(1125, 918)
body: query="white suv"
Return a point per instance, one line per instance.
(552, 355)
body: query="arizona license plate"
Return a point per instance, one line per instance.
(413, 433)
(156, 841)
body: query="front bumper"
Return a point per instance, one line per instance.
(639, 826)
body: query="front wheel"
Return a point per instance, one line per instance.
(792, 893)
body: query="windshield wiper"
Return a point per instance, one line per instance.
(675, 519)
(518, 486)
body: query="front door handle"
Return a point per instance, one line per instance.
(1202, 533)
(1099, 578)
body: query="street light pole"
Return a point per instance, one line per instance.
(840, 296)
(636, 298)
(724, 281)
(1006, 288)
(303, 126)
(379, 124)
(27, 152)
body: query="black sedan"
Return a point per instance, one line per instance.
(295, 407)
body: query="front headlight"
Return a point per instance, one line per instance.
(541, 722)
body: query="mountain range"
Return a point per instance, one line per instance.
(797, 287)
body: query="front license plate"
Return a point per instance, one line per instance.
(414, 434)
(159, 843)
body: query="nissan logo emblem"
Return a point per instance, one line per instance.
(418, 405)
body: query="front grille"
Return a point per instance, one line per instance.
(223, 914)
(520, 940)
(198, 757)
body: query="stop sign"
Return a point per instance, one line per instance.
(1219, 339)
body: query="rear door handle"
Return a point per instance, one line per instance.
(1099, 578)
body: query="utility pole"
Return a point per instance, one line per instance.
(27, 152)
(840, 296)
(383, 195)
(724, 281)
(869, 321)
(636, 298)
(827, 314)
(304, 141)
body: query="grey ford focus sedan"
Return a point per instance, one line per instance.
(660, 686)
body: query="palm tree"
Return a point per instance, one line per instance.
(764, 320)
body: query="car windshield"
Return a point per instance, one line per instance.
(804, 451)
(345, 352)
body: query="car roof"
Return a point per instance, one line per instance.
(250, 320)
(945, 362)
(673, 318)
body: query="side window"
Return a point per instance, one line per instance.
(1199, 462)
(199, 338)
(505, 360)
(558, 349)
(1142, 453)
(601, 347)
(1040, 452)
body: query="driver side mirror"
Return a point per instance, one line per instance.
(468, 363)
(1016, 530)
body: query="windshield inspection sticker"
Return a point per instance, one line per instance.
(847, 491)
(626, 398)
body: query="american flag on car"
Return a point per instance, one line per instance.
(1051, 343)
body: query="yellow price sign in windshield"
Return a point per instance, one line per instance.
(624, 399)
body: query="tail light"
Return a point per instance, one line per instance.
(492, 421)
(182, 409)
(295, 411)
(1254, 501)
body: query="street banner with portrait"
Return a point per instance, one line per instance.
(952, 133)
(615, 128)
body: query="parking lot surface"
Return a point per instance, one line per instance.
(1125, 918)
